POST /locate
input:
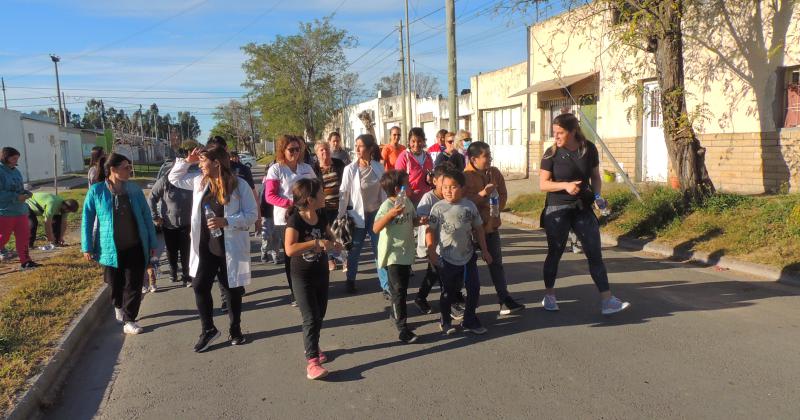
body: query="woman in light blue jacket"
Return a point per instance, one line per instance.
(220, 241)
(127, 237)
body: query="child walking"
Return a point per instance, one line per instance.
(307, 243)
(394, 223)
(452, 225)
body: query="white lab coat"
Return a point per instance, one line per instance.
(240, 213)
(350, 192)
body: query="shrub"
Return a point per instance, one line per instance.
(794, 220)
(721, 202)
(658, 208)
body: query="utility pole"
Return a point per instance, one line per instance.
(102, 116)
(64, 101)
(410, 112)
(61, 116)
(452, 74)
(3, 82)
(404, 124)
(141, 125)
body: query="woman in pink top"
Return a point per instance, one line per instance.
(288, 168)
(418, 163)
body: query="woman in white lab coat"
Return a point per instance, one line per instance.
(225, 257)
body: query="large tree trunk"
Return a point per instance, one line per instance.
(685, 151)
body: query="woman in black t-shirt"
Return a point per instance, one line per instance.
(307, 242)
(570, 174)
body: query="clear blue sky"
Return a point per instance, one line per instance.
(169, 51)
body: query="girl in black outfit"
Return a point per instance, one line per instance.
(307, 243)
(570, 174)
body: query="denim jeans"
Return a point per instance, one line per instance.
(359, 235)
(270, 236)
(453, 277)
(557, 222)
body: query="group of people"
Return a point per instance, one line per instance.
(441, 204)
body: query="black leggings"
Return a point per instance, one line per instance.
(212, 266)
(557, 222)
(287, 261)
(311, 287)
(33, 221)
(178, 241)
(126, 281)
(398, 285)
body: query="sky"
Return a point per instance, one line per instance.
(185, 54)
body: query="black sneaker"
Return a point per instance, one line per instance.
(224, 307)
(206, 338)
(408, 337)
(351, 287)
(30, 265)
(447, 329)
(236, 337)
(387, 295)
(423, 305)
(174, 278)
(457, 312)
(510, 306)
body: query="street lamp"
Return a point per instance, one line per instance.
(61, 121)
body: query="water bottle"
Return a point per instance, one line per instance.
(494, 204)
(400, 202)
(215, 233)
(48, 247)
(602, 205)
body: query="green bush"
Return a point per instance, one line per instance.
(794, 220)
(657, 210)
(722, 202)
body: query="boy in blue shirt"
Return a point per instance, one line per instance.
(452, 225)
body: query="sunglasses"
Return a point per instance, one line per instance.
(293, 149)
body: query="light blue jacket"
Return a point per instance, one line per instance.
(11, 186)
(100, 203)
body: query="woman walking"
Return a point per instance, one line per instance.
(361, 192)
(281, 176)
(329, 172)
(308, 239)
(570, 174)
(418, 164)
(95, 170)
(223, 209)
(13, 210)
(126, 237)
(171, 208)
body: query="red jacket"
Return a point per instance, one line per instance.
(416, 174)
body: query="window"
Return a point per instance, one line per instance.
(553, 109)
(503, 126)
(655, 108)
(792, 118)
(31, 139)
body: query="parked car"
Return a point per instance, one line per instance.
(247, 159)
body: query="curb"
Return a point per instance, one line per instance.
(759, 270)
(42, 387)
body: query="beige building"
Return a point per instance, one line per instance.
(752, 141)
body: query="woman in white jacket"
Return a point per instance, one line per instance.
(360, 197)
(226, 256)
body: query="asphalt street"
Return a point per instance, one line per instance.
(696, 343)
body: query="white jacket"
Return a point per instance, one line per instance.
(350, 192)
(240, 213)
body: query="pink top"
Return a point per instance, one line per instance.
(417, 173)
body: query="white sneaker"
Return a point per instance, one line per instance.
(613, 305)
(132, 328)
(153, 288)
(549, 303)
(145, 289)
(118, 314)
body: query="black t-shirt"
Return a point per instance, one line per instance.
(569, 166)
(216, 246)
(242, 171)
(308, 232)
(126, 233)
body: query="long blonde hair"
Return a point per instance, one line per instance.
(568, 122)
(226, 183)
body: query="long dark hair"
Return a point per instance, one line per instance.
(113, 161)
(101, 169)
(94, 157)
(302, 190)
(369, 142)
(568, 122)
(226, 182)
(7, 153)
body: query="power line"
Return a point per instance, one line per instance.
(130, 90)
(373, 47)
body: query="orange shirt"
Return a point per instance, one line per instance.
(389, 155)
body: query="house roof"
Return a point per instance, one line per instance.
(555, 84)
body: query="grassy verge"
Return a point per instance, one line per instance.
(34, 313)
(265, 159)
(146, 170)
(764, 229)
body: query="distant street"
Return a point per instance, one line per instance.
(696, 344)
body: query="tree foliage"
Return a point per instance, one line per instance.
(423, 84)
(234, 124)
(298, 80)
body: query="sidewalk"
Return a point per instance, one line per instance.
(518, 187)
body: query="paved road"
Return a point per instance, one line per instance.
(696, 344)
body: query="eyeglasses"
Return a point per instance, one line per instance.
(293, 149)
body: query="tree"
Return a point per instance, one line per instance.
(189, 145)
(92, 114)
(233, 119)
(424, 85)
(296, 80)
(655, 27)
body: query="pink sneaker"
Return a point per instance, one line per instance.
(322, 357)
(314, 370)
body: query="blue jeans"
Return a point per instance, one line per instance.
(453, 277)
(359, 235)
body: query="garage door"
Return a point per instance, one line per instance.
(502, 129)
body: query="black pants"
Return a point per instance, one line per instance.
(33, 221)
(178, 242)
(431, 279)
(311, 292)
(557, 221)
(398, 286)
(287, 261)
(212, 266)
(126, 281)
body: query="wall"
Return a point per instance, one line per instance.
(75, 158)
(11, 135)
(40, 152)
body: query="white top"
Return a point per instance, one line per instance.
(284, 175)
(350, 192)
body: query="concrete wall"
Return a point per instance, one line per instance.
(11, 136)
(40, 152)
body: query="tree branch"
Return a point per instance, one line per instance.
(725, 60)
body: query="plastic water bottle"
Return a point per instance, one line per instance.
(48, 247)
(215, 233)
(400, 202)
(494, 204)
(602, 205)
